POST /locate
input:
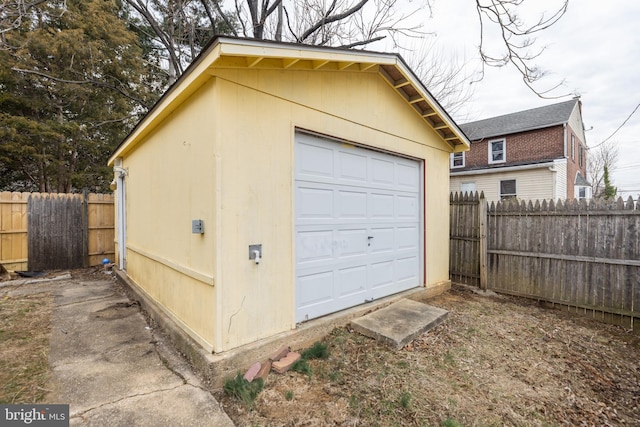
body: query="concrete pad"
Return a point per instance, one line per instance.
(111, 368)
(399, 323)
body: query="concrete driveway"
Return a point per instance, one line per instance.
(110, 366)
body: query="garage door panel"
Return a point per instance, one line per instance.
(408, 177)
(315, 288)
(352, 280)
(406, 268)
(352, 168)
(351, 243)
(407, 238)
(382, 206)
(382, 274)
(314, 161)
(351, 204)
(312, 203)
(382, 172)
(407, 207)
(383, 240)
(355, 194)
(315, 246)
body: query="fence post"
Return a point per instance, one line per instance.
(482, 220)
(85, 228)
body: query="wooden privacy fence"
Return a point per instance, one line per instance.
(467, 238)
(40, 231)
(585, 256)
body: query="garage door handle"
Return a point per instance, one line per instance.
(369, 237)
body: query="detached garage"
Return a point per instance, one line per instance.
(276, 183)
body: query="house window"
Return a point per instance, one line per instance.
(468, 187)
(582, 193)
(507, 188)
(580, 155)
(497, 151)
(573, 147)
(457, 160)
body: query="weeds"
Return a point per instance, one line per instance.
(405, 399)
(288, 395)
(316, 351)
(303, 367)
(243, 390)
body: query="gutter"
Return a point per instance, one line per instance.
(549, 165)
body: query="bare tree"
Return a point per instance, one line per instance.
(446, 76)
(517, 39)
(605, 155)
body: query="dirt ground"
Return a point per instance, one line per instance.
(495, 361)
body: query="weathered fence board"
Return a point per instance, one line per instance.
(583, 256)
(98, 229)
(575, 254)
(465, 229)
(56, 232)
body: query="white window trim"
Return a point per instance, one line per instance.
(451, 166)
(500, 188)
(504, 151)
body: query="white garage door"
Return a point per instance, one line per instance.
(357, 225)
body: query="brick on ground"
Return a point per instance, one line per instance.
(252, 371)
(283, 365)
(280, 353)
(264, 371)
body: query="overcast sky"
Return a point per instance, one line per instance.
(594, 48)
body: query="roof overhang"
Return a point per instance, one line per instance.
(227, 52)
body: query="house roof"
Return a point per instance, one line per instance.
(582, 181)
(535, 118)
(232, 52)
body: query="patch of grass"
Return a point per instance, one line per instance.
(288, 395)
(449, 422)
(24, 348)
(316, 351)
(243, 390)
(405, 399)
(303, 367)
(449, 359)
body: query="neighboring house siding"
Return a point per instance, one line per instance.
(573, 158)
(560, 177)
(531, 184)
(534, 145)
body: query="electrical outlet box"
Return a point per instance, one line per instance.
(253, 249)
(197, 226)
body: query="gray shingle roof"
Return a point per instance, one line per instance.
(535, 118)
(580, 180)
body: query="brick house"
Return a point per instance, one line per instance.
(539, 153)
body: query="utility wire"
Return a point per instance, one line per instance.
(619, 127)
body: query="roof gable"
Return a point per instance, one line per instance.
(522, 121)
(226, 52)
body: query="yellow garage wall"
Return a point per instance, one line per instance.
(170, 182)
(260, 110)
(531, 184)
